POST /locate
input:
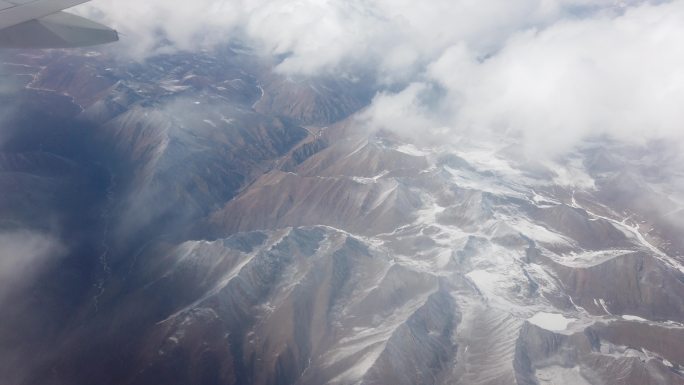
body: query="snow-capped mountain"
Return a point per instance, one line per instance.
(264, 236)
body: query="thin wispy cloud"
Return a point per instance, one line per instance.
(24, 254)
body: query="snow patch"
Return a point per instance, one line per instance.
(550, 321)
(557, 375)
(534, 231)
(591, 258)
(410, 149)
(603, 304)
(372, 180)
(484, 280)
(174, 88)
(362, 366)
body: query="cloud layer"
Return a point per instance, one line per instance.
(618, 76)
(393, 37)
(550, 72)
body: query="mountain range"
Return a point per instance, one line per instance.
(210, 221)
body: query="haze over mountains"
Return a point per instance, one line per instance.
(211, 217)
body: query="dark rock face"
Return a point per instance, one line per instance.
(201, 354)
(317, 103)
(211, 222)
(589, 357)
(646, 288)
(575, 223)
(282, 199)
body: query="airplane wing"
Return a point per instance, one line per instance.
(42, 24)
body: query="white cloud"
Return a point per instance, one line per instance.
(159, 26)
(550, 71)
(23, 255)
(620, 76)
(393, 37)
